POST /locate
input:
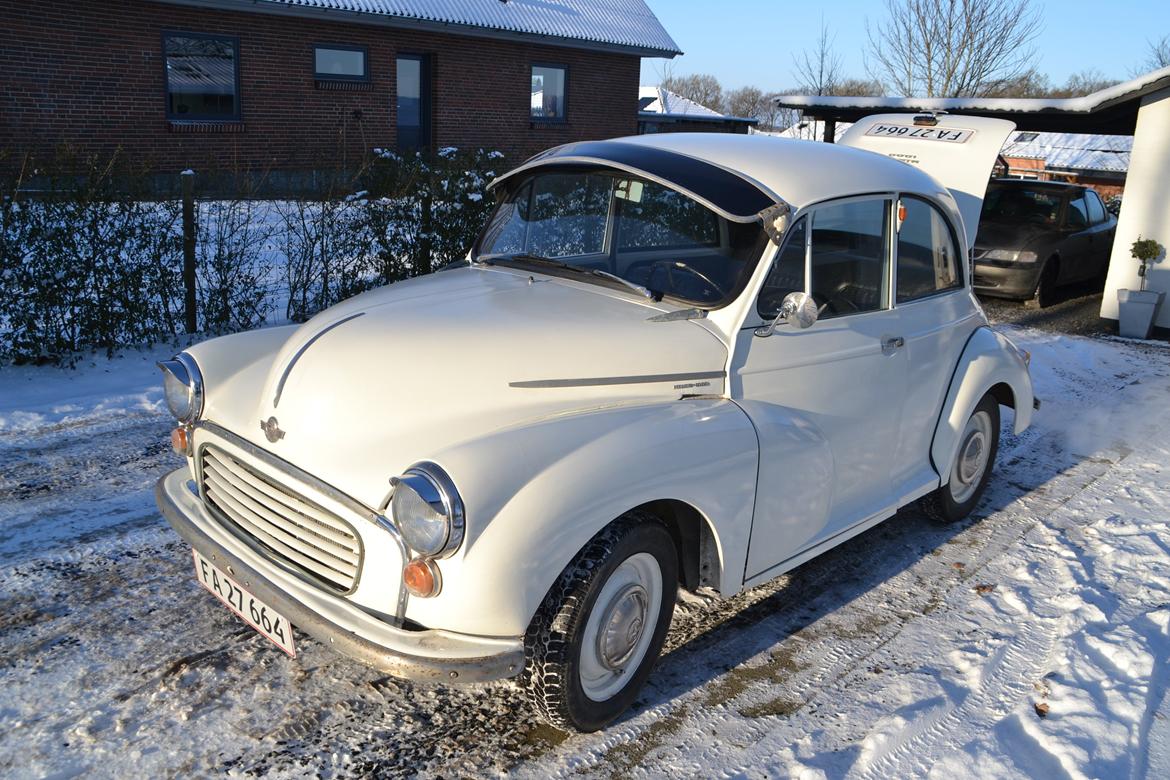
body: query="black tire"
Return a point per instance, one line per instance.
(941, 505)
(1046, 290)
(552, 644)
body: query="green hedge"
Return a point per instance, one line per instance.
(91, 255)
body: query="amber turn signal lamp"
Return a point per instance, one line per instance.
(181, 440)
(421, 577)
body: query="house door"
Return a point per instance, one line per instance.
(414, 102)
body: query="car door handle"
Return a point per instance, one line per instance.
(891, 343)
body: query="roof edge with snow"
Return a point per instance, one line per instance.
(586, 27)
(1111, 110)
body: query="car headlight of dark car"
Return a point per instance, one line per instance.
(1010, 256)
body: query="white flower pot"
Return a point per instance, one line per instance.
(1137, 310)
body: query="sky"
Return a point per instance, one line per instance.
(753, 42)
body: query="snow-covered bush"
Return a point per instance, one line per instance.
(87, 260)
(91, 256)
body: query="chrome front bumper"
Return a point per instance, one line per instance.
(429, 655)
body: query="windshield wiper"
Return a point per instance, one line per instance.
(525, 257)
(643, 291)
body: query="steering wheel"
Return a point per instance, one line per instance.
(672, 265)
(831, 301)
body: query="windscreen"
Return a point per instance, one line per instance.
(1008, 203)
(632, 228)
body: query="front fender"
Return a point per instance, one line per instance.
(534, 494)
(989, 359)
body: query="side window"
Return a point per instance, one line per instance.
(849, 263)
(1078, 213)
(787, 274)
(1096, 208)
(928, 261)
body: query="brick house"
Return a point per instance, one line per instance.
(303, 85)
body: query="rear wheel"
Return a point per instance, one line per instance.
(972, 467)
(599, 631)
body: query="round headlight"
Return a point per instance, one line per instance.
(427, 510)
(183, 387)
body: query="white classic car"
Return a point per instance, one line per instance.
(670, 361)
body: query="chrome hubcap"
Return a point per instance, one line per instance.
(972, 460)
(622, 625)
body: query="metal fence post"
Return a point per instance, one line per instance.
(189, 301)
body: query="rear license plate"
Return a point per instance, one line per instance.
(948, 134)
(252, 610)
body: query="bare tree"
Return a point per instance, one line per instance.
(750, 102)
(853, 87)
(819, 70)
(952, 48)
(1158, 55)
(703, 88)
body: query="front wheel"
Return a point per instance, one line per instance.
(972, 467)
(596, 636)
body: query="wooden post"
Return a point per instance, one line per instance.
(187, 178)
(830, 131)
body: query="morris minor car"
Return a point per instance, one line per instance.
(672, 361)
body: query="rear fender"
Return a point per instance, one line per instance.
(989, 360)
(536, 493)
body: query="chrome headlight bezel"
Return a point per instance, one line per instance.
(435, 488)
(183, 387)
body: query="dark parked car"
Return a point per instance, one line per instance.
(1035, 236)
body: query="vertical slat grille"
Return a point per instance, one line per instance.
(284, 523)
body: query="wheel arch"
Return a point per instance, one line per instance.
(695, 539)
(990, 363)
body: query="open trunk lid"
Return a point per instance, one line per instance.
(958, 151)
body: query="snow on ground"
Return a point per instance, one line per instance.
(1032, 640)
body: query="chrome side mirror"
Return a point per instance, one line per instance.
(798, 308)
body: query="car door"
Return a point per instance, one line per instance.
(826, 401)
(1076, 259)
(1101, 244)
(936, 317)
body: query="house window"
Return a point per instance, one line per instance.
(340, 63)
(203, 76)
(548, 93)
(414, 102)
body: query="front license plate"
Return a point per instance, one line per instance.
(252, 610)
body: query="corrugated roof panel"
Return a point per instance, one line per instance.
(623, 23)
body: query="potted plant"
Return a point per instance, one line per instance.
(1139, 308)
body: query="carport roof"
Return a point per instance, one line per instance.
(1110, 111)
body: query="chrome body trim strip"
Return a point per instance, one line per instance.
(616, 380)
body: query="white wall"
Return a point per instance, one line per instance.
(1145, 207)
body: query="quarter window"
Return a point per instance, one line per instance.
(340, 63)
(1096, 207)
(1078, 213)
(848, 257)
(787, 272)
(928, 261)
(548, 93)
(202, 76)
